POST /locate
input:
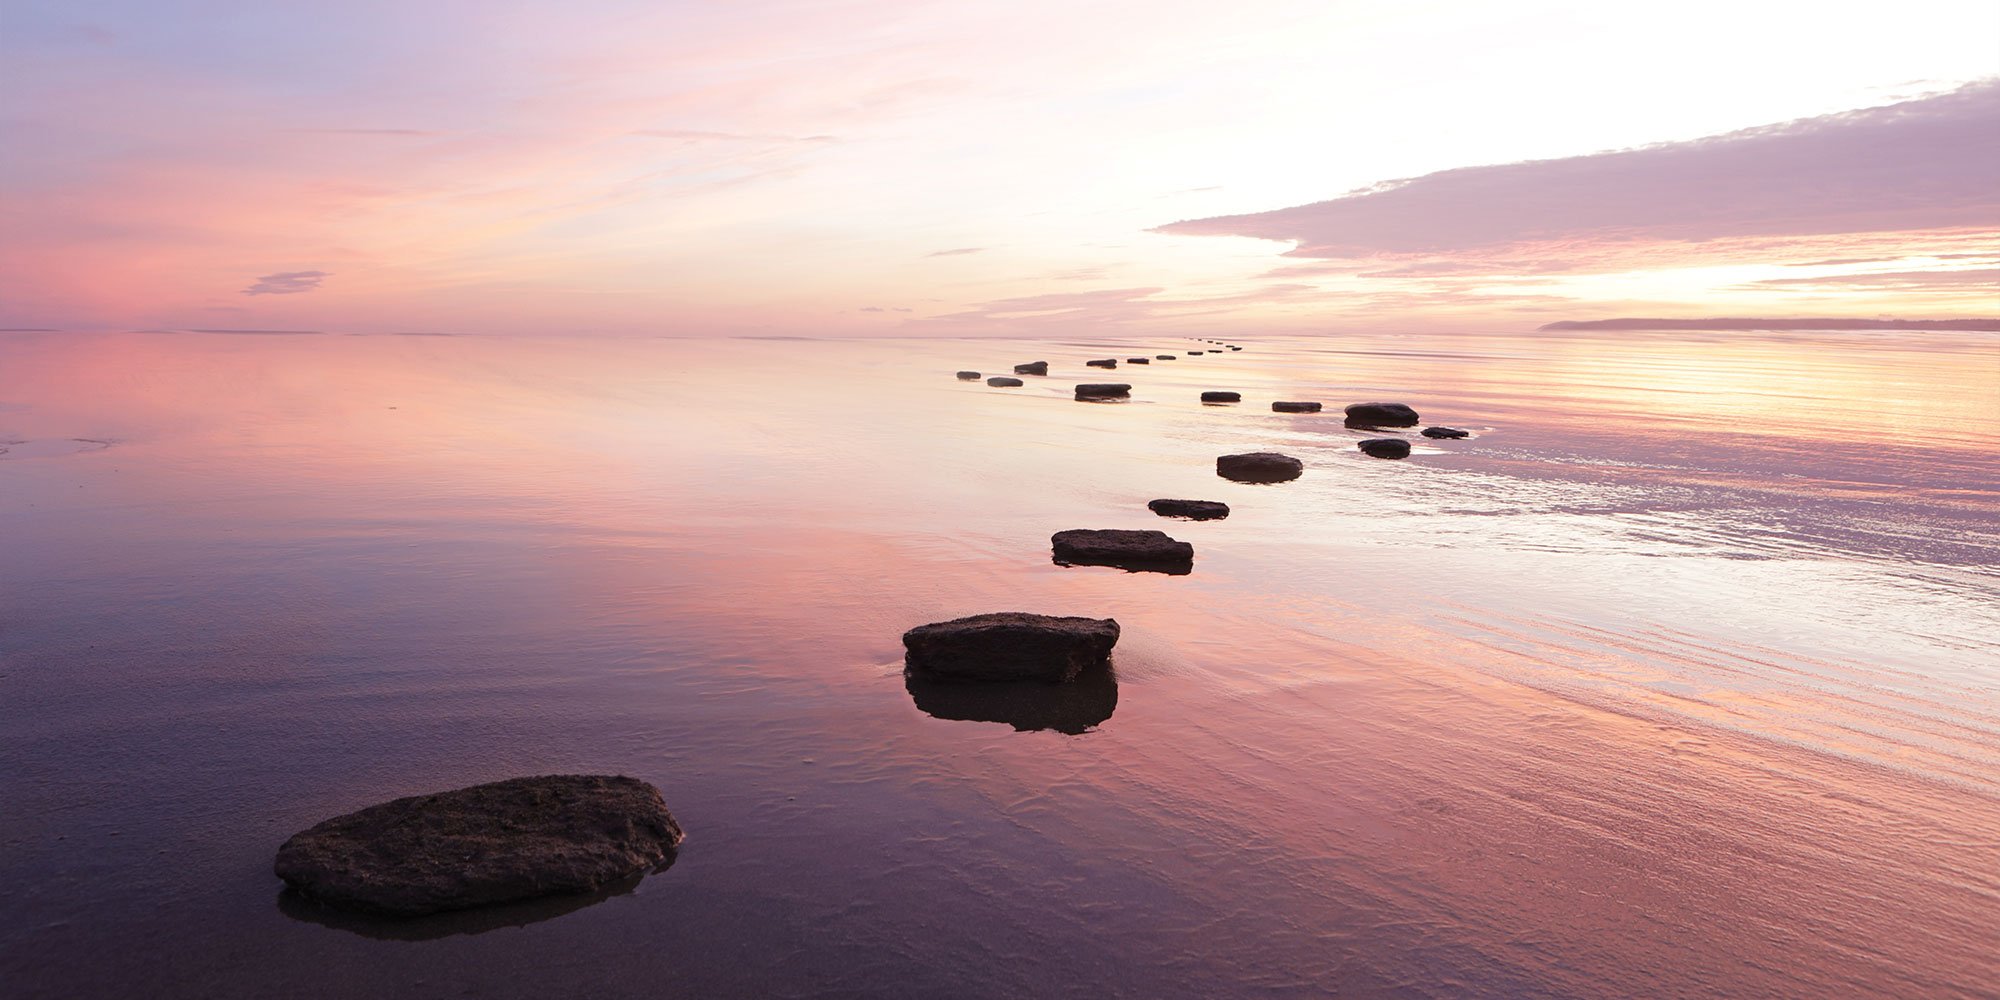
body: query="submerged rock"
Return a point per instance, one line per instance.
(1102, 363)
(1386, 447)
(1010, 646)
(1221, 397)
(1131, 550)
(1032, 368)
(1295, 407)
(1381, 415)
(968, 376)
(1449, 433)
(491, 843)
(1138, 361)
(1103, 390)
(1259, 467)
(1193, 510)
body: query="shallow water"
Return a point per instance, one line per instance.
(1681, 677)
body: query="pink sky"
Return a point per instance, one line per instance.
(912, 168)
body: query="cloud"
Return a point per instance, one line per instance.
(287, 283)
(958, 252)
(1921, 165)
(365, 131)
(1891, 280)
(702, 135)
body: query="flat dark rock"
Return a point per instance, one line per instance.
(1002, 380)
(1193, 510)
(1385, 447)
(1103, 390)
(1032, 368)
(1259, 467)
(1236, 348)
(1449, 433)
(969, 376)
(507, 840)
(1138, 361)
(1010, 646)
(1222, 397)
(1132, 550)
(1195, 353)
(1102, 363)
(1163, 357)
(1381, 415)
(1295, 407)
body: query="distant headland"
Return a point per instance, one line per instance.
(1981, 325)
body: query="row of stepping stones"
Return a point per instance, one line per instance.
(574, 834)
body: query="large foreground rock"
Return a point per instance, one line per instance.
(1193, 510)
(1294, 407)
(1259, 467)
(1032, 368)
(1003, 381)
(507, 840)
(1381, 415)
(1010, 646)
(1385, 447)
(1103, 390)
(1137, 551)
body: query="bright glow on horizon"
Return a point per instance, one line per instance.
(904, 167)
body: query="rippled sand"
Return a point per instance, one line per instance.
(1680, 677)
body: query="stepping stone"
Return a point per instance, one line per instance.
(1002, 381)
(1295, 407)
(1259, 467)
(1222, 397)
(1193, 510)
(1381, 415)
(1010, 646)
(1136, 551)
(492, 843)
(1386, 447)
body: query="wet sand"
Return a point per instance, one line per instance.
(1677, 678)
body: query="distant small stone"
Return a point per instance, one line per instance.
(1010, 646)
(1102, 363)
(1381, 415)
(1386, 447)
(1221, 397)
(1103, 390)
(491, 843)
(968, 376)
(1002, 381)
(1193, 510)
(1032, 368)
(1295, 407)
(1193, 353)
(1259, 467)
(1236, 348)
(1131, 550)
(1451, 433)
(1164, 357)
(1138, 361)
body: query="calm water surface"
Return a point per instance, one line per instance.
(1681, 677)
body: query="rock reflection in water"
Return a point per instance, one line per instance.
(1074, 707)
(478, 920)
